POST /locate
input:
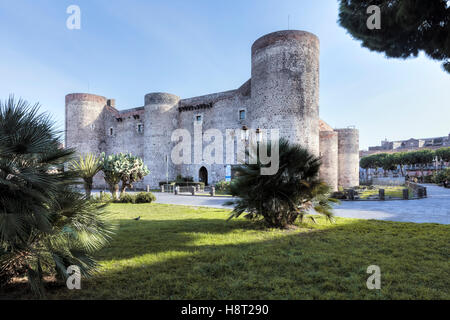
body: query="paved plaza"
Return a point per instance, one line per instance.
(434, 209)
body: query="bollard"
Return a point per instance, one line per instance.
(193, 190)
(424, 192)
(148, 188)
(405, 194)
(420, 192)
(213, 191)
(351, 194)
(381, 194)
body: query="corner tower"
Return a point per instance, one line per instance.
(285, 86)
(348, 157)
(84, 125)
(160, 120)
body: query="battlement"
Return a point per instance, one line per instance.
(282, 37)
(273, 98)
(85, 97)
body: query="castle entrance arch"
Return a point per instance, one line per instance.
(203, 175)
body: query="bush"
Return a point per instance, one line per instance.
(126, 198)
(181, 179)
(223, 186)
(145, 197)
(440, 176)
(45, 225)
(165, 182)
(288, 194)
(102, 199)
(191, 184)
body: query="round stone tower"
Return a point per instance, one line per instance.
(84, 125)
(285, 86)
(329, 154)
(160, 121)
(348, 154)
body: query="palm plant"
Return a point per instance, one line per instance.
(134, 170)
(45, 225)
(124, 168)
(289, 194)
(87, 166)
(113, 167)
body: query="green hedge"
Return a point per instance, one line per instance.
(145, 197)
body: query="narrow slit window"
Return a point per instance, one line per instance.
(241, 114)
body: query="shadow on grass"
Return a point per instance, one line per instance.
(172, 259)
(135, 238)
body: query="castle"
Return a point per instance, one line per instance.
(283, 93)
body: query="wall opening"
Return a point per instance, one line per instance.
(203, 175)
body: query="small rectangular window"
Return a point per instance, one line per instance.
(241, 114)
(198, 119)
(140, 128)
(111, 131)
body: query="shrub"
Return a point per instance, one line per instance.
(223, 186)
(45, 225)
(289, 194)
(165, 182)
(126, 198)
(145, 197)
(191, 184)
(105, 198)
(181, 179)
(442, 175)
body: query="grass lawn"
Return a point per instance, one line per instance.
(177, 252)
(389, 191)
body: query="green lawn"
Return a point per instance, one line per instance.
(389, 191)
(177, 252)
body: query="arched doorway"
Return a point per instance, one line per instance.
(203, 175)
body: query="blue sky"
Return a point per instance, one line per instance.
(126, 49)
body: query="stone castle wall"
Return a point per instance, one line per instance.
(283, 94)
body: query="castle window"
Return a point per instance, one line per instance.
(242, 114)
(111, 131)
(140, 128)
(199, 118)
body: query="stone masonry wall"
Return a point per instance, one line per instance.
(283, 94)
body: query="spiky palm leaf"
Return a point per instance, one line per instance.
(44, 224)
(87, 166)
(283, 197)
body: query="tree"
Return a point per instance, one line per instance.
(388, 163)
(378, 161)
(289, 194)
(367, 163)
(421, 158)
(87, 166)
(113, 167)
(443, 155)
(407, 27)
(124, 168)
(133, 170)
(45, 226)
(400, 159)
